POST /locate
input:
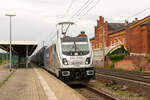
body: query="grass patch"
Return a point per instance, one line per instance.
(99, 84)
(97, 66)
(110, 66)
(6, 79)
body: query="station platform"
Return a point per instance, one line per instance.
(36, 84)
(4, 73)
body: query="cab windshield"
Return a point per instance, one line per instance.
(70, 48)
(75, 46)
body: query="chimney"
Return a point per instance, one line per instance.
(95, 28)
(97, 23)
(106, 23)
(126, 22)
(101, 19)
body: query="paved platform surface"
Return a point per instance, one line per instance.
(4, 72)
(36, 84)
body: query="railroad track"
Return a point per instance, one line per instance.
(136, 76)
(141, 80)
(103, 93)
(123, 71)
(92, 93)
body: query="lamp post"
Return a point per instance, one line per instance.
(10, 53)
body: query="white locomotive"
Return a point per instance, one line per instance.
(70, 58)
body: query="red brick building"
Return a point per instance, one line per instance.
(134, 36)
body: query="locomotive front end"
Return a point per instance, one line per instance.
(76, 59)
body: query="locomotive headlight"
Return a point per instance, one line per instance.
(64, 60)
(90, 72)
(87, 60)
(65, 73)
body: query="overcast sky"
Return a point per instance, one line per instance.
(36, 19)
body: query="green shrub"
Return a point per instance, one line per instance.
(116, 57)
(140, 69)
(148, 58)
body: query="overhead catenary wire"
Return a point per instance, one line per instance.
(79, 9)
(68, 9)
(134, 15)
(139, 13)
(96, 3)
(144, 10)
(82, 9)
(86, 6)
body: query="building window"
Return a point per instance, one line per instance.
(114, 42)
(111, 43)
(123, 41)
(100, 45)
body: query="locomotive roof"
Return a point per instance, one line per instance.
(70, 39)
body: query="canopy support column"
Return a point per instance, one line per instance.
(26, 56)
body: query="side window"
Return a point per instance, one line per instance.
(54, 50)
(47, 55)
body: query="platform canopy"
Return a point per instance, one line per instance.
(19, 47)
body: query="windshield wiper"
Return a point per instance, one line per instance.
(74, 47)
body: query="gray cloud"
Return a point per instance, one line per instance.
(36, 19)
